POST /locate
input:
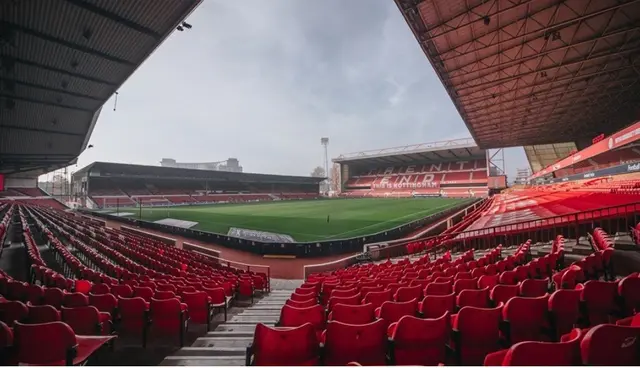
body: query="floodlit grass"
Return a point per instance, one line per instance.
(304, 220)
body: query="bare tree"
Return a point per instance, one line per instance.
(318, 172)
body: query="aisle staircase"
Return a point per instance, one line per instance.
(226, 344)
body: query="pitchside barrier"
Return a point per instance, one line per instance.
(614, 219)
(300, 250)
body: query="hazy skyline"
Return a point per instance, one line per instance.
(264, 81)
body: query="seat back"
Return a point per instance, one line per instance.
(308, 303)
(600, 298)
(502, 293)
(166, 314)
(611, 345)
(478, 333)
(133, 313)
(465, 284)
(439, 288)
(377, 298)
(296, 317)
(103, 302)
(43, 314)
(434, 306)
(407, 293)
(392, 311)
(83, 320)
(296, 346)
(534, 353)
(53, 297)
(52, 341)
(533, 288)
(488, 281)
(348, 300)
(527, 318)
(419, 341)
(629, 291)
(143, 292)
(353, 314)
(72, 300)
(365, 344)
(564, 307)
(13, 311)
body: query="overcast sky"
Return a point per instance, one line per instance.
(263, 81)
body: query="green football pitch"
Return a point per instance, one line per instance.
(303, 220)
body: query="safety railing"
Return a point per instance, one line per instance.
(612, 219)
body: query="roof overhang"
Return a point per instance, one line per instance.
(60, 61)
(458, 149)
(531, 72)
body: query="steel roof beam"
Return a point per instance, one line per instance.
(71, 45)
(54, 104)
(116, 18)
(38, 130)
(49, 89)
(62, 71)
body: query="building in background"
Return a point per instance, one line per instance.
(230, 165)
(522, 175)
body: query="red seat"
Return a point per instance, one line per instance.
(170, 317)
(508, 278)
(377, 298)
(122, 291)
(200, 309)
(106, 303)
(72, 300)
(473, 298)
(6, 343)
(145, 293)
(98, 289)
(365, 344)
(55, 344)
(526, 319)
(16, 290)
(42, 314)
(406, 293)
(302, 297)
(246, 288)
(341, 293)
(296, 317)
(600, 300)
(348, 300)
(392, 311)
(53, 297)
(434, 306)
(217, 298)
(13, 311)
(629, 291)
(82, 286)
(611, 345)
(487, 281)
(465, 284)
(533, 353)
(418, 341)
(134, 317)
(353, 314)
(308, 303)
(564, 310)
(34, 294)
(502, 293)
(296, 346)
(534, 287)
(438, 288)
(476, 333)
(87, 320)
(166, 287)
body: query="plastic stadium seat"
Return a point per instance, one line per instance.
(217, 298)
(166, 287)
(34, 294)
(42, 314)
(308, 303)
(145, 293)
(473, 298)
(13, 311)
(246, 289)
(87, 320)
(296, 317)
(200, 309)
(134, 317)
(55, 344)
(296, 346)
(534, 353)
(564, 310)
(508, 278)
(365, 344)
(336, 293)
(488, 281)
(465, 284)
(6, 343)
(476, 333)
(600, 300)
(170, 317)
(392, 311)
(303, 297)
(525, 319)
(106, 303)
(53, 297)
(161, 295)
(439, 288)
(534, 287)
(407, 293)
(502, 293)
(629, 291)
(72, 300)
(418, 341)
(122, 291)
(348, 300)
(611, 345)
(434, 306)
(378, 298)
(16, 290)
(353, 314)
(82, 286)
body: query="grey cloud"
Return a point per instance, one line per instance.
(264, 80)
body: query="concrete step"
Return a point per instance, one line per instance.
(203, 361)
(223, 343)
(264, 313)
(252, 319)
(236, 328)
(238, 350)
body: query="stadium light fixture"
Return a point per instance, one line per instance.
(186, 25)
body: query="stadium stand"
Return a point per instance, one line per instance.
(109, 185)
